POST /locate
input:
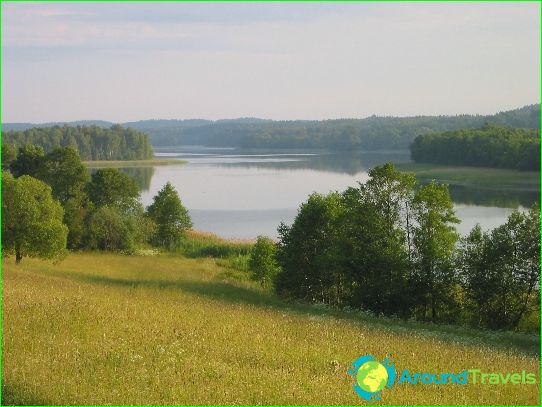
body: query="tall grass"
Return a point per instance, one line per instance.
(230, 253)
(113, 329)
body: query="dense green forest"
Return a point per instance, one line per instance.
(370, 133)
(92, 142)
(489, 146)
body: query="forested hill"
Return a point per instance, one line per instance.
(343, 134)
(92, 142)
(489, 146)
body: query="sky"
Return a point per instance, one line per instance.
(131, 61)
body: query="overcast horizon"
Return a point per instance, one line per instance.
(123, 62)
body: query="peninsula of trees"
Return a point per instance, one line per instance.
(92, 142)
(489, 146)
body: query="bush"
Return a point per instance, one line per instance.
(263, 261)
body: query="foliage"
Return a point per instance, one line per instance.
(434, 238)
(9, 154)
(501, 270)
(307, 252)
(170, 216)
(263, 261)
(111, 229)
(31, 219)
(112, 187)
(342, 134)
(390, 248)
(92, 142)
(29, 161)
(489, 146)
(63, 171)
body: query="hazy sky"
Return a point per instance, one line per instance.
(131, 61)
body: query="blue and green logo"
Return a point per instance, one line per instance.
(371, 377)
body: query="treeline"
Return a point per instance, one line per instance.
(391, 248)
(50, 203)
(371, 133)
(92, 142)
(489, 146)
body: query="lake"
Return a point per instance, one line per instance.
(242, 194)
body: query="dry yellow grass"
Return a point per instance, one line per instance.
(112, 329)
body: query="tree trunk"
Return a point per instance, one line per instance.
(18, 256)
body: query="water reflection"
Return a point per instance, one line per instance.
(243, 193)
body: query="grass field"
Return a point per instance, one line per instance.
(475, 176)
(130, 163)
(112, 329)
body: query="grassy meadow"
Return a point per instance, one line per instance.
(169, 329)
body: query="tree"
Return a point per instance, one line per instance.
(63, 171)
(31, 219)
(263, 261)
(513, 269)
(111, 187)
(110, 229)
(477, 275)
(434, 240)
(9, 154)
(311, 268)
(170, 216)
(377, 235)
(29, 161)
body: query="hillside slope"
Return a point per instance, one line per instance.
(112, 329)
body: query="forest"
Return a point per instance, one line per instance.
(488, 146)
(371, 133)
(92, 142)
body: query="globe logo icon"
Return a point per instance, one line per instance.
(371, 376)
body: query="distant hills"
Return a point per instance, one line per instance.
(374, 132)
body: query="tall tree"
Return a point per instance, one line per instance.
(434, 240)
(379, 239)
(31, 219)
(170, 216)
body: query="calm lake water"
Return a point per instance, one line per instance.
(243, 194)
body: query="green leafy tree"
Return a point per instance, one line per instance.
(9, 154)
(308, 252)
(30, 159)
(263, 261)
(501, 271)
(434, 239)
(379, 240)
(111, 229)
(170, 216)
(65, 173)
(31, 219)
(111, 187)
